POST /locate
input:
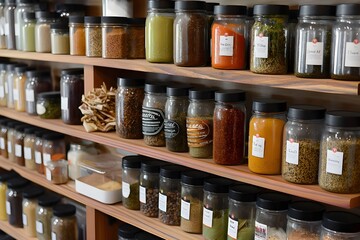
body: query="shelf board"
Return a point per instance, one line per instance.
(17, 233)
(233, 76)
(239, 173)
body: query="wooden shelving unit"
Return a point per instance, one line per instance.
(17, 233)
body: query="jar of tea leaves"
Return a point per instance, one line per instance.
(340, 225)
(130, 182)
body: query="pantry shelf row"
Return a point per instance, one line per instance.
(239, 173)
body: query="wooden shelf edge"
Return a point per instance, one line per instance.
(17, 233)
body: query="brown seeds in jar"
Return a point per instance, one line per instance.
(173, 206)
(150, 208)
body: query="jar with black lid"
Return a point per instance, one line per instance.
(48, 105)
(191, 43)
(71, 89)
(114, 37)
(53, 147)
(129, 101)
(14, 200)
(340, 225)
(130, 181)
(10, 79)
(4, 177)
(42, 30)
(28, 32)
(127, 232)
(29, 203)
(19, 144)
(313, 41)
(339, 169)
(63, 222)
(77, 35)
(301, 143)
(11, 140)
(44, 214)
(93, 37)
(3, 137)
(38, 150)
(60, 40)
(136, 38)
(22, 6)
(19, 87)
(29, 147)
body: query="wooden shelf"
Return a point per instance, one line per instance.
(241, 77)
(17, 233)
(238, 173)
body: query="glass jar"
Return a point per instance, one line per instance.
(269, 39)
(271, 212)
(2, 25)
(44, 215)
(63, 222)
(228, 44)
(53, 147)
(313, 41)
(57, 171)
(215, 211)
(10, 79)
(127, 232)
(191, 44)
(130, 182)
(4, 177)
(304, 220)
(242, 211)
(199, 123)
(340, 153)
(19, 88)
(42, 31)
(60, 41)
(340, 225)
(10, 6)
(48, 105)
(3, 137)
(29, 147)
(301, 144)
(11, 140)
(159, 31)
(153, 115)
(266, 126)
(176, 107)
(192, 196)
(14, 200)
(114, 37)
(22, 6)
(38, 151)
(3, 85)
(19, 144)
(229, 127)
(71, 89)
(136, 34)
(77, 153)
(28, 32)
(77, 35)
(29, 203)
(93, 38)
(129, 100)
(345, 61)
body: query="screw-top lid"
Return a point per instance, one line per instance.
(59, 25)
(20, 128)
(11, 66)
(147, 236)
(119, 20)
(17, 182)
(230, 10)
(306, 112)
(12, 124)
(172, 171)
(217, 185)
(53, 136)
(155, 88)
(92, 19)
(76, 19)
(132, 161)
(28, 15)
(210, 7)
(49, 95)
(194, 177)
(30, 130)
(317, 10)
(177, 90)
(5, 176)
(127, 231)
(72, 71)
(203, 93)
(39, 133)
(264, 9)
(32, 192)
(64, 210)
(273, 201)
(348, 9)
(269, 105)
(341, 222)
(230, 96)
(36, 73)
(244, 193)
(152, 166)
(342, 119)
(46, 15)
(306, 211)
(190, 5)
(137, 21)
(130, 82)
(48, 200)
(23, 69)
(161, 4)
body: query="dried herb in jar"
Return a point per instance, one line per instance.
(219, 226)
(132, 201)
(173, 206)
(194, 224)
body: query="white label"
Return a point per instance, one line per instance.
(142, 194)
(314, 52)
(2, 143)
(48, 174)
(53, 236)
(260, 231)
(258, 146)
(40, 109)
(30, 95)
(16, 94)
(24, 217)
(46, 158)
(8, 208)
(162, 202)
(125, 189)
(27, 153)
(334, 161)
(6, 88)
(39, 227)
(232, 228)
(352, 54)
(17, 29)
(261, 45)
(64, 103)
(38, 159)
(227, 46)
(2, 91)
(292, 152)
(18, 150)
(7, 29)
(207, 217)
(9, 147)
(185, 209)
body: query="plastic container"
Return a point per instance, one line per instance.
(29, 147)
(136, 38)
(4, 177)
(63, 222)
(127, 232)
(44, 214)
(130, 182)
(114, 37)
(48, 105)
(53, 147)
(60, 40)
(77, 35)
(42, 31)
(29, 203)
(77, 153)
(9, 13)
(22, 6)
(340, 225)
(57, 172)
(14, 201)
(19, 88)
(93, 36)
(28, 32)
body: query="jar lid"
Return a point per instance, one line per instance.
(23, 69)
(201, 93)
(161, 4)
(119, 20)
(265, 9)
(17, 182)
(127, 231)
(39, 133)
(194, 177)
(152, 166)
(317, 10)
(172, 171)
(350, 9)
(306, 211)
(32, 192)
(217, 185)
(11, 66)
(273, 201)
(69, 7)
(230, 10)
(46, 15)
(48, 200)
(341, 221)
(177, 90)
(30, 130)
(210, 7)
(190, 5)
(20, 128)
(5, 176)
(269, 105)
(306, 112)
(230, 96)
(49, 95)
(12, 124)
(76, 19)
(155, 88)
(64, 210)
(28, 15)
(137, 21)
(147, 236)
(244, 193)
(130, 82)
(132, 161)
(27, 1)
(342, 119)
(72, 71)
(37, 73)
(60, 25)
(53, 136)
(92, 19)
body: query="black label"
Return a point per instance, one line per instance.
(171, 128)
(152, 121)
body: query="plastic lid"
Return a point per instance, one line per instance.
(210, 7)
(23, 69)
(48, 200)
(17, 182)
(155, 88)
(37, 73)
(21, 127)
(128, 231)
(203, 93)
(76, 19)
(137, 21)
(49, 95)
(273, 201)
(30, 130)
(341, 222)
(92, 19)
(264, 9)
(59, 25)
(194, 177)
(306, 112)
(130, 82)
(230, 96)
(269, 105)
(39, 133)
(28, 15)
(190, 5)
(32, 191)
(217, 185)
(146, 236)
(12, 124)
(350, 9)
(46, 15)
(177, 90)
(317, 10)
(119, 20)
(244, 193)
(152, 166)
(161, 4)
(342, 119)
(230, 10)
(5, 176)
(11, 66)
(306, 211)
(53, 136)
(172, 171)
(64, 210)
(132, 161)
(72, 71)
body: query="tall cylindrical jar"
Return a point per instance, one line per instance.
(29, 147)
(3, 137)
(2, 25)
(265, 136)
(130, 182)
(3, 90)
(4, 177)
(93, 37)
(28, 32)
(15, 187)
(19, 88)
(10, 6)
(340, 225)
(301, 144)
(114, 37)
(60, 40)
(19, 144)
(29, 203)
(44, 214)
(10, 79)
(63, 222)
(77, 153)
(22, 7)
(11, 140)
(269, 39)
(42, 31)
(229, 127)
(313, 41)
(38, 151)
(136, 38)
(77, 35)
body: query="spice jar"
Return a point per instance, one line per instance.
(176, 107)
(71, 89)
(265, 136)
(28, 32)
(10, 79)
(3, 86)
(63, 222)
(10, 6)
(129, 100)
(340, 153)
(93, 38)
(3, 137)
(60, 41)
(4, 177)
(192, 196)
(19, 144)
(269, 39)
(29, 147)
(29, 203)
(130, 182)
(53, 147)
(19, 88)
(340, 225)
(11, 140)
(304, 220)
(191, 42)
(127, 232)
(136, 38)
(14, 200)
(77, 35)
(2, 33)
(153, 115)
(229, 127)
(199, 123)
(42, 31)
(57, 172)
(38, 151)
(215, 212)
(228, 45)
(271, 212)
(48, 105)
(44, 215)
(159, 31)
(301, 144)
(76, 154)
(114, 37)
(22, 6)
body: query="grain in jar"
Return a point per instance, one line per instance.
(93, 36)
(338, 225)
(114, 37)
(48, 105)
(29, 203)
(60, 41)
(77, 35)
(42, 31)
(136, 38)
(10, 144)
(22, 6)
(29, 147)
(130, 181)
(57, 171)
(53, 147)
(19, 88)
(4, 177)
(2, 31)
(64, 223)
(19, 144)
(77, 153)
(38, 150)
(14, 200)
